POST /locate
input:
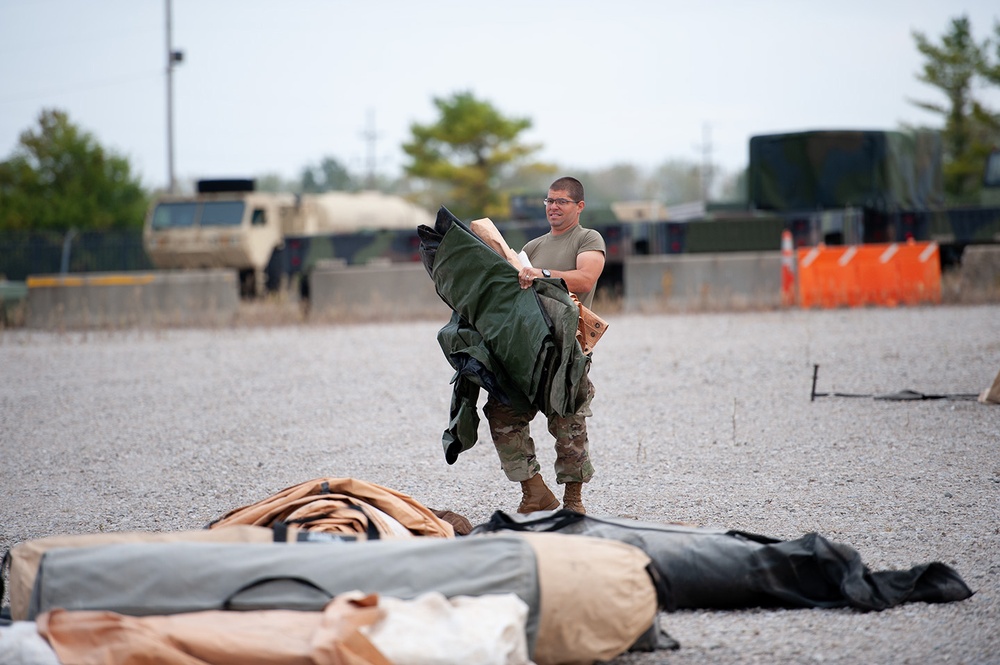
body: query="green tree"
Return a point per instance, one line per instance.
(955, 66)
(329, 175)
(679, 181)
(618, 182)
(990, 71)
(59, 178)
(274, 182)
(470, 149)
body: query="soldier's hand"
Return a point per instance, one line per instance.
(527, 275)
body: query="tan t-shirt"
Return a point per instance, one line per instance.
(559, 252)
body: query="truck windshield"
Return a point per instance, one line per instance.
(222, 213)
(208, 213)
(174, 215)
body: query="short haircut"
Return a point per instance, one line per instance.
(569, 184)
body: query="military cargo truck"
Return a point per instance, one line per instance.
(274, 239)
(851, 186)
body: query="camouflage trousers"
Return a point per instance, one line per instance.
(512, 438)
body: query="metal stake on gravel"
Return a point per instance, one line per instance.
(901, 396)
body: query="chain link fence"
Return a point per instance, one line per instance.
(35, 253)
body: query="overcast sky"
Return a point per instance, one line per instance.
(270, 86)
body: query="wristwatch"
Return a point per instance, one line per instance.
(546, 273)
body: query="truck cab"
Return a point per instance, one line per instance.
(225, 225)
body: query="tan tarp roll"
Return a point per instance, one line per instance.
(330, 505)
(331, 637)
(351, 629)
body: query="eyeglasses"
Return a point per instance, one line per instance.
(558, 202)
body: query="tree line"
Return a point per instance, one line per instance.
(59, 176)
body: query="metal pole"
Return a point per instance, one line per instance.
(67, 240)
(171, 186)
(706, 161)
(371, 137)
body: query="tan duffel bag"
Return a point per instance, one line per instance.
(597, 597)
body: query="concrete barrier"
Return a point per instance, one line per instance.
(124, 300)
(383, 292)
(697, 282)
(979, 274)
(12, 303)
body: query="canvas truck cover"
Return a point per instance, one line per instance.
(817, 170)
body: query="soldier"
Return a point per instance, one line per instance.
(576, 255)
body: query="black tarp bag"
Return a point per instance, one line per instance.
(720, 569)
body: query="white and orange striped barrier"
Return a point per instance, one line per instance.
(787, 269)
(872, 274)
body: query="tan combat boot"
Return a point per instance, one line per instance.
(572, 500)
(535, 495)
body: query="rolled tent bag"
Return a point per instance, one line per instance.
(173, 578)
(586, 602)
(23, 559)
(719, 569)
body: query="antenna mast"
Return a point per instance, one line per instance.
(173, 57)
(371, 138)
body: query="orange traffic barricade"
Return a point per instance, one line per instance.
(873, 274)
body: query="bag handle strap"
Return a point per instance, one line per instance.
(560, 519)
(227, 604)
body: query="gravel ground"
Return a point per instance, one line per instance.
(702, 418)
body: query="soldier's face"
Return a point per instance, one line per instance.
(563, 212)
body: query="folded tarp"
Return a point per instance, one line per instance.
(332, 637)
(352, 630)
(341, 506)
(719, 569)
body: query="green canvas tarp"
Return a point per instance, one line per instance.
(518, 344)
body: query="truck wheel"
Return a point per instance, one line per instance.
(248, 284)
